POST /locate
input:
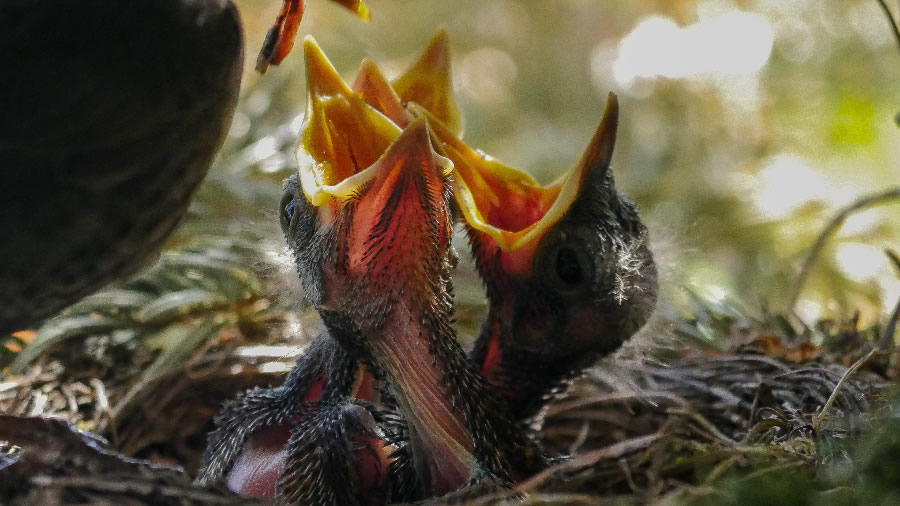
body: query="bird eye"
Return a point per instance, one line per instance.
(287, 210)
(565, 264)
(568, 270)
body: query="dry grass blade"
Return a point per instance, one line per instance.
(894, 25)
(612, 452)
(833, 225)
(834, 394)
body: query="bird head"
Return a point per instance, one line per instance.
(566, 266)
(369, 221)
(369, 207)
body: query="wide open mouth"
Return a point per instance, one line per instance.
(342, 136)
(388, 278)
(350, 151)
(507, 204)
(347, 129)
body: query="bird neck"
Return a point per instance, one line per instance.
(413, 348)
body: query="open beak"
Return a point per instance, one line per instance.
(426, 82)
(351, 152)
(497, 201)
(342, 135)
(507, 205)
(349, 128)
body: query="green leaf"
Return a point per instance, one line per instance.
(178, 343)
(232, 278)
(7, 355)
(60, 329)
(114, 301)
(177, 305)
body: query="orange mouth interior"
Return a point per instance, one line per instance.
(348, 129)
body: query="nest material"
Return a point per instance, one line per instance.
(638, 431)
(693, 421)
(147, 367)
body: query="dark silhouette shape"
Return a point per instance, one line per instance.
(112, 114)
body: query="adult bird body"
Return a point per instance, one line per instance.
(112, 114)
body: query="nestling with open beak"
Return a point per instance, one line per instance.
(373, 251)
(567, 266)
(579, 230)
(250, 446)
(262, 440)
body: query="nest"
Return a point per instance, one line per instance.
(638, 431)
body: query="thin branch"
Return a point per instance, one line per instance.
(613, 451)
(143, 488)
(829, 230)
(837, 388)
(894, 258)
(890, 16)
(886, 341)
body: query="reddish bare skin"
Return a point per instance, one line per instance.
(383, 272)
(256, 470)
(372, 460)
(434, 422)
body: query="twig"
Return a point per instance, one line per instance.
(614, 451)
(629, 479)
(778, 467)
(886, 340)
(720, 469)
(834, 393)
(890, 16)
(137, 487)
(706, 424)
(581, 438)
(104, 415)
(829, 230)
(895, 259)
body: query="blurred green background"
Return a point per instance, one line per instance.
(745, 126)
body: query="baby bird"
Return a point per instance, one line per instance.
(574, 251)
(567, 267)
